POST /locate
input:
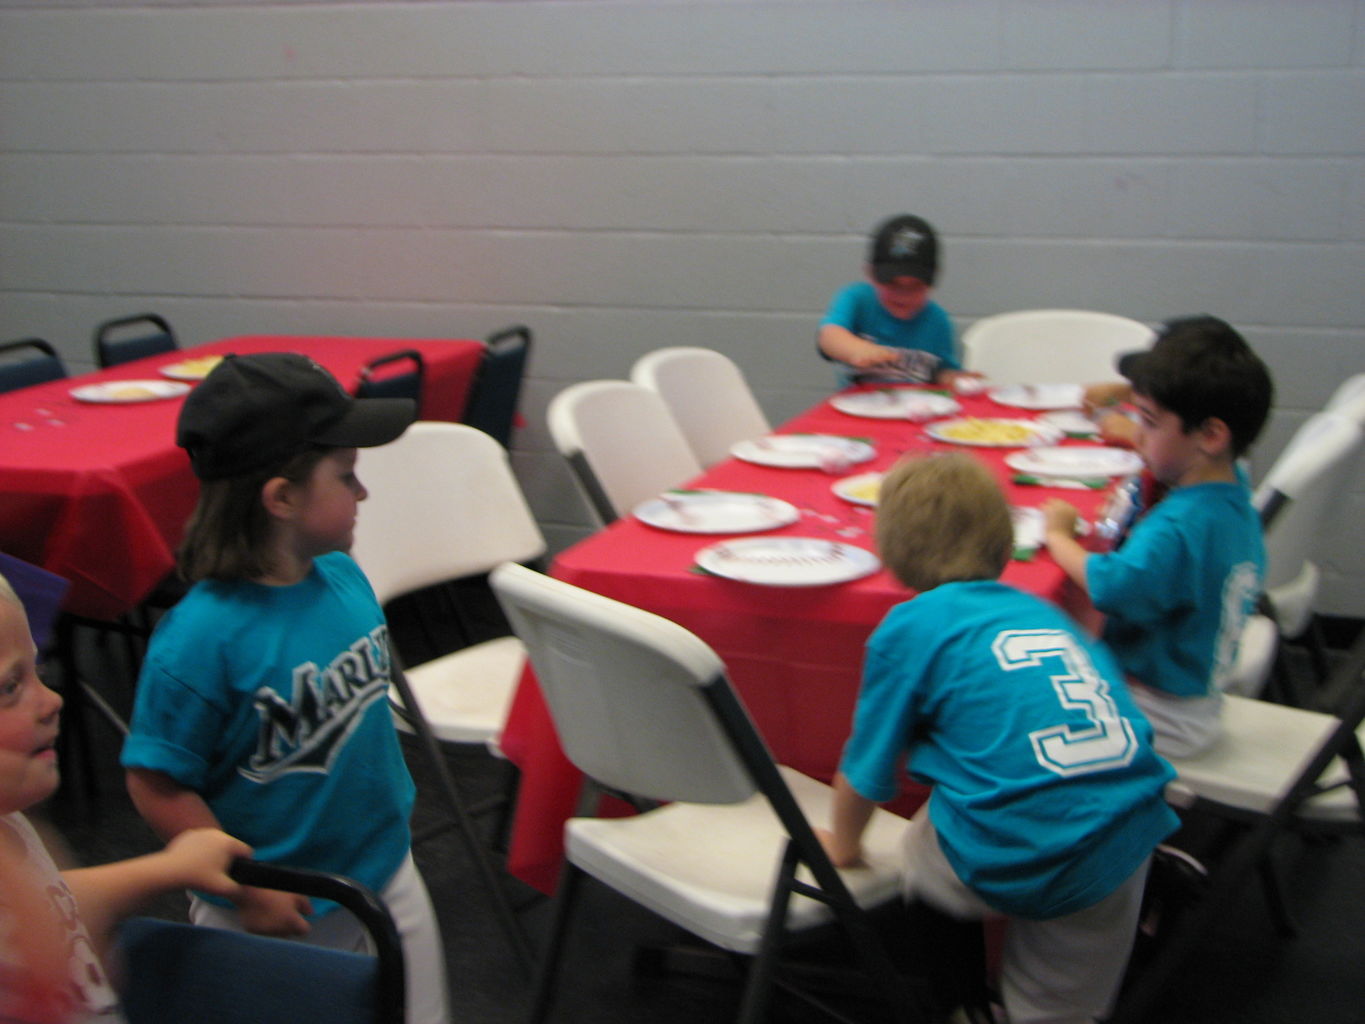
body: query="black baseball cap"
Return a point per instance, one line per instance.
(904, 246)
(253, 412)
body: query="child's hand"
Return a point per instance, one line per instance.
(199, 858)
(869, 356)
(1116, 428)
(1100, 396)
(840, 856)
(269, 912)
(1059, 517)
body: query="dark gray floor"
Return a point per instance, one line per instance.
(1243, 973)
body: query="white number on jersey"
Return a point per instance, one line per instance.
(1108, 741)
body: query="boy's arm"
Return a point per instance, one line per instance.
(171, 808)
(194, 859)
(843, 345)
(849, 816)
(1060, 537)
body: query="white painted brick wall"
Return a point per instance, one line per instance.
(625, 175)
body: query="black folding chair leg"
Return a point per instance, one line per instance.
(570, 881)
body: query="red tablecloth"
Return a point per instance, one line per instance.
(794, 654)
(99, 494)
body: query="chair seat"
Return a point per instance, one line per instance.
(465, 695)
(1262, 746)
(710, 868)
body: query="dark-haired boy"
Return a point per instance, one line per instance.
(1180, 586)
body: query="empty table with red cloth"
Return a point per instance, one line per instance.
(99, 493)
(793, 653)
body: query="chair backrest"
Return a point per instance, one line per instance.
(127, 338)
(708, 396)
(1296, 494)
(387, 377)
(493, 397)
(443, 505)
(40, 592)
(1062, 346)
(178, 972)
(621, 442)
(628, 691)
(28, 361)
(1349, 399)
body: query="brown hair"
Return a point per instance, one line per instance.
(943, 518)
(227, 536)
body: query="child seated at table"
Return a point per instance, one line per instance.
(1046, 796)
(55, 926)
(887, 328)
(1180, 585)
(262, 702)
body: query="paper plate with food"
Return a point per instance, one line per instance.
(993, 433)
(117, 392)
(861, 489)
(194, 368)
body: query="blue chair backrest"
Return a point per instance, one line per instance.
(492, 404)
(376, 382)
(34, 362)
(126, 338)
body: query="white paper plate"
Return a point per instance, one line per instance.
(194, 368)
(803, 451)
(123, 391)
(1075, 463)
(788, 561)
(895, 404)
(716, 512)
(976, 432)
(861, 489)
(1072, 422)
(1028, 527)
(1038, 396)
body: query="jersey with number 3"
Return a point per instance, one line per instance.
(1046, 791)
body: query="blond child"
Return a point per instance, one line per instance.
(1046, 795)
(1179, 587)
(55, 926)
(262, 703)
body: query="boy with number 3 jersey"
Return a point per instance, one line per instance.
(1047, 795)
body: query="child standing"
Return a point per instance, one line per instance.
(262, 703)
(1179, 587)
(887, 328)
(55, 926)
(1047, 796)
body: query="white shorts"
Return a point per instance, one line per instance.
(1063, 971)
(424, 957)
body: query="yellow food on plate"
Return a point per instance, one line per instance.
(864, 490)
(131, 392)
(198, 366)
(974, 431)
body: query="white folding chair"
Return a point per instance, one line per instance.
(445, 506)
(1349, 399)
(644, 707)
(1062, 346)
(708, 396)
(621, 443)
(1275, 769)
(1294, 501)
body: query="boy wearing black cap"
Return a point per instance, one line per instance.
(1178, 589)
(262, 704)
(887, 328)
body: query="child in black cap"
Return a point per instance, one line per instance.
(262, 704)
(887, 328)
